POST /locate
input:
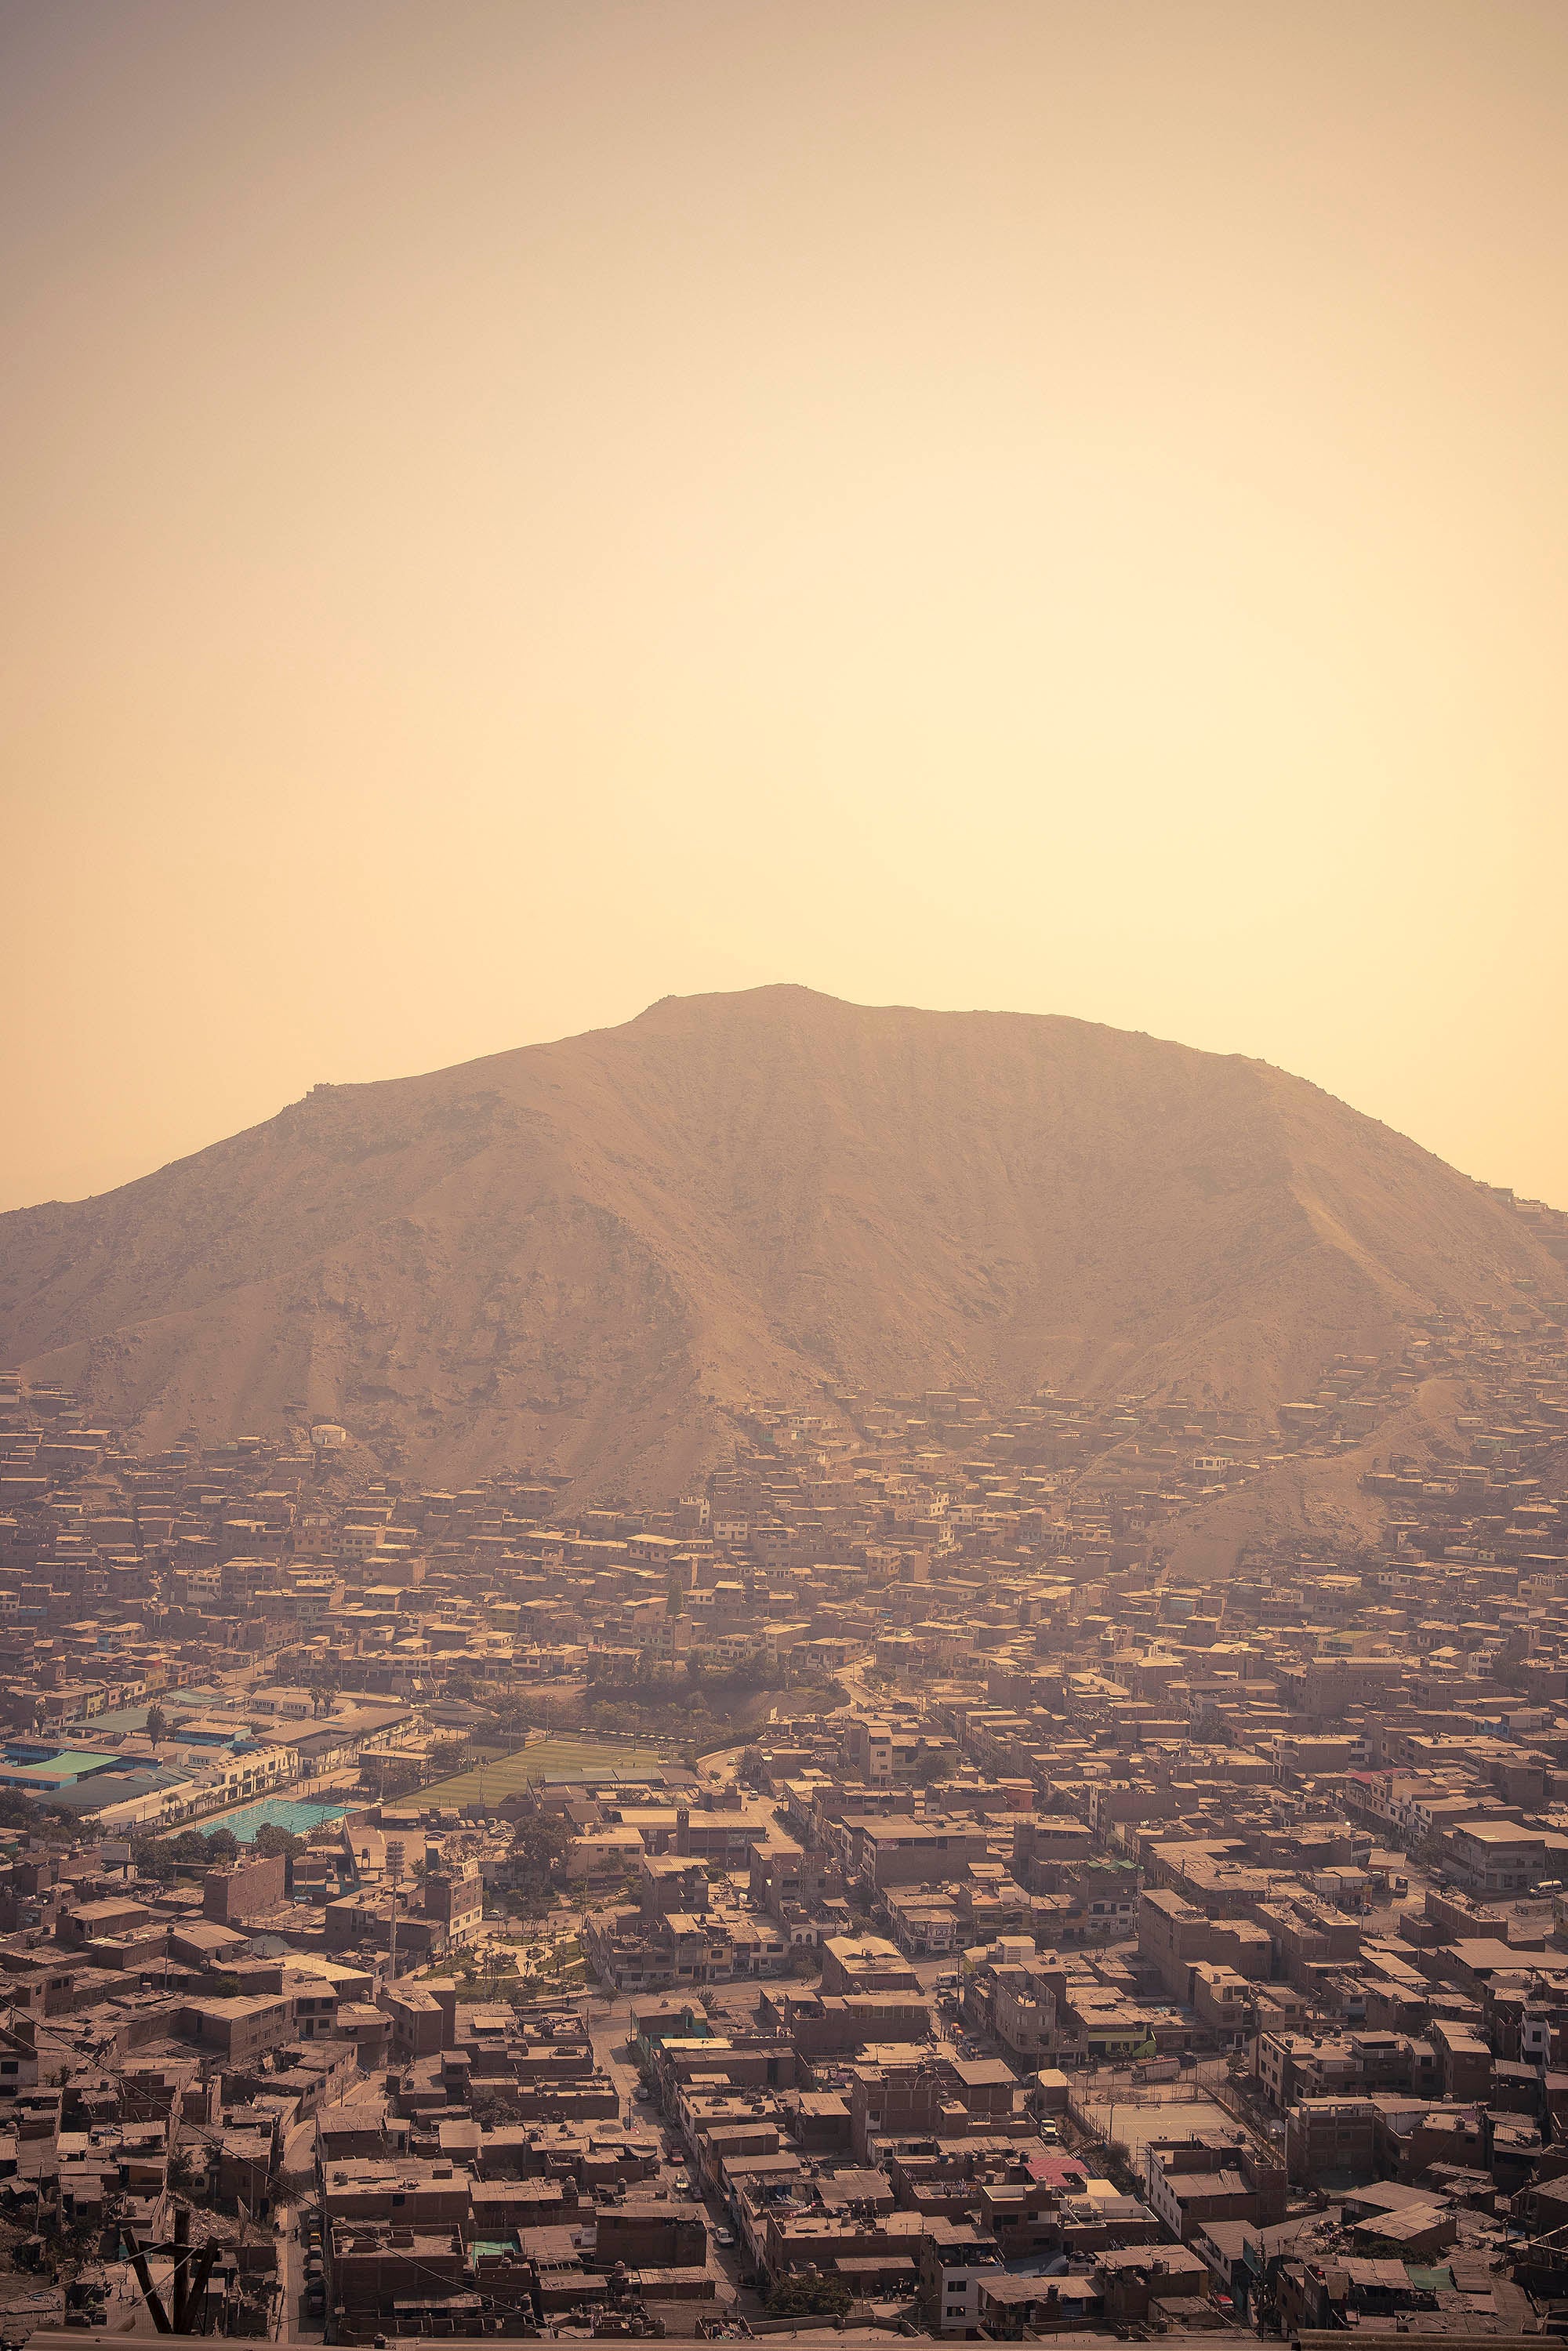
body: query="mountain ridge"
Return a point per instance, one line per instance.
(586, 1255)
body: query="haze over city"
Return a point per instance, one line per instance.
(519, 510)
(784, 1195)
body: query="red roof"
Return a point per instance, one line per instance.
(1055, 2171)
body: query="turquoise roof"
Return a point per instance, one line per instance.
(73, 1764)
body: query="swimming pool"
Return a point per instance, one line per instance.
(299, 1814)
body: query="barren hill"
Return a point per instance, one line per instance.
(578, 1256)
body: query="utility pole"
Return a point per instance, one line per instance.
(189, 2281)
(393, 1873)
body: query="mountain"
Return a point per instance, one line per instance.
(580, 1256)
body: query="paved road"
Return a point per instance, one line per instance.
(609, 2021)
(851, 1681)
(293, 2321)
(300, 2155)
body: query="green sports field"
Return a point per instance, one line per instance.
(564, 1758)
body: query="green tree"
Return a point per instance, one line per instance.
(271, 1839)
(153, 1860)
(800, 2296)
(541, 1843)
(190, 2171)
(157, 1723)
(289, 2187)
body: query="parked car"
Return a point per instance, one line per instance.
(723, 2238)
(683, 2184)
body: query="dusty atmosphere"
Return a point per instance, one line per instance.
(784, 1175)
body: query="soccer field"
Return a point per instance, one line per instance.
(564, 1758)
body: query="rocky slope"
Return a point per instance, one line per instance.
(580, 1256)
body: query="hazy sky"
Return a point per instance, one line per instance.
(513, 510)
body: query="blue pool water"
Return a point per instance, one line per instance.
(296, 1814)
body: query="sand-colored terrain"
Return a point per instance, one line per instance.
(580, 1257)
(1320, 1497)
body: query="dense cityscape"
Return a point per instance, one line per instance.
(783, 1357)
(880, 1889)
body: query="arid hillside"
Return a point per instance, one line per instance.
(580, 1256)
